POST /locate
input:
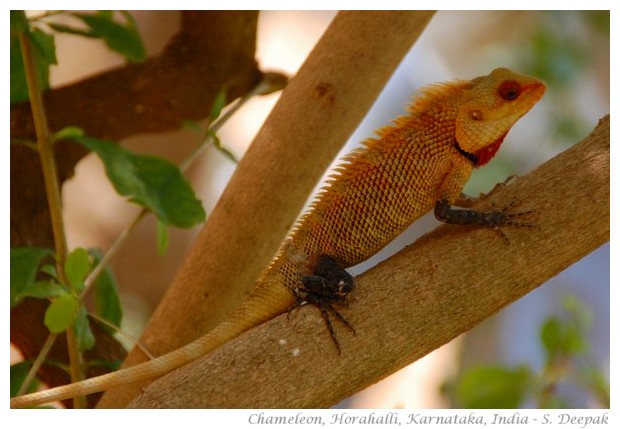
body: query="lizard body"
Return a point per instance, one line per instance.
(420, 162)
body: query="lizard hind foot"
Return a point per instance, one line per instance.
(324, 307)
(328, 285)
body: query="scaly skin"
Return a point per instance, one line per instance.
(426, 157)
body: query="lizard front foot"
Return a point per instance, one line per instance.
(492, 218)
(495, 218)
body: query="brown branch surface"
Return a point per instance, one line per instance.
(411, 304)
(317, 112)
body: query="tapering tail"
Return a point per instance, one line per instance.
(264, 304)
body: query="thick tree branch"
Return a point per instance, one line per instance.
(428, 294)
(318, 110)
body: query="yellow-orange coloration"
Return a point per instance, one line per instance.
(377, 192)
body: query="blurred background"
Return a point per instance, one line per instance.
(570, 50)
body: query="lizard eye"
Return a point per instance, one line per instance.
(509, 90)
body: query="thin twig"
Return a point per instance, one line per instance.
(107, 257)
(76, 369)
(126, 334)
(46, 154)
(47, 346)
(263, 87)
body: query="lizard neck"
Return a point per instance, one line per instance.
(468, 155)
(482, 156)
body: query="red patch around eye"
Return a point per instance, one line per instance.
(510, 90)
(485, 154)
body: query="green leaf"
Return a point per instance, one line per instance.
(578, 313)
(44, 46)
(561, 338)
(50, 270)
(19, 371)
(25, 262)
(192, 126)
(550, 335)
(77, 266)
(83, 334)
(493, 387)
(218, 104)
(44, 54)
(61, 313)
(107, 303)
(122, 38)
(162, 237)
(68, 133)
(43, 289)
(19, 22)
(149, 181)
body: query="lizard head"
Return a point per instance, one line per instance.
(489, 106)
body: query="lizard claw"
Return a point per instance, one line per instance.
(506, 218)
(511, 219)
(330, 284)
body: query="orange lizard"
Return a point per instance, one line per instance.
(418, 164)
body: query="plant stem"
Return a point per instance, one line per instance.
(46, 155)
(52, 188)
(107, 257)
(263, 87)
(47, 346)
(135, 341)
(76, 369)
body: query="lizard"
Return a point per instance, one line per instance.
(419, 163)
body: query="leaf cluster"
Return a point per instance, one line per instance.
(564, 340)
(153, 183)
(121, 37)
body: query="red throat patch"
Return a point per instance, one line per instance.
(485, 154)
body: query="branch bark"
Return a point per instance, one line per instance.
(411, 304)
(316, 113)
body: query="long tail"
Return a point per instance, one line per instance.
(265, 304)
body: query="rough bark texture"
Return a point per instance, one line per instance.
(318, 110)
(428, 294)
(211, 50)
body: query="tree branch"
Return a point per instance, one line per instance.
(431, 292)
(316, 113)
